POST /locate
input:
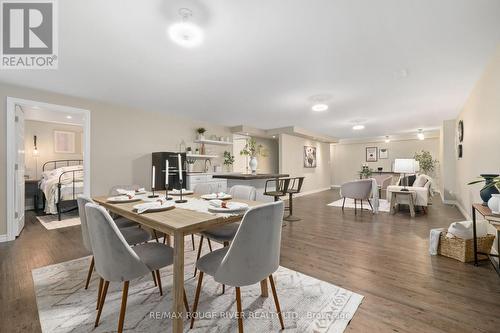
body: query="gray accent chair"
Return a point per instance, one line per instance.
(357, 190)
(116, 261)
(252, 257)
(132, 234)
(204, 188)
(225, 233)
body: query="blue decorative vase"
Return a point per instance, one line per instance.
(488, 190)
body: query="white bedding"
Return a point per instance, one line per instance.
(49, 182)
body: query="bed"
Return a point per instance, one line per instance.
(61, 183)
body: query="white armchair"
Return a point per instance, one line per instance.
(422, 188)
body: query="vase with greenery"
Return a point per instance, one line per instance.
(491, 185)
(365, 172)
(190, 165)
(253, 150)
(426, 162)
(228, 160)
(201, 133)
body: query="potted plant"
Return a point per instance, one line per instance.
(365, 172)
(426, 162)
(253, 150)
(201, 133)
(490, 188)
(190, 165)
(228, 160)
(197, 151)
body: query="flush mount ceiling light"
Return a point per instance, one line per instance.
(420, 134)
(185, 33)
(358, 127)
(69, 117)
(387, 140)
(319, 107)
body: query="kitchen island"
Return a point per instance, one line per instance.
(256, 180)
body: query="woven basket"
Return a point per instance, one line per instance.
(463, 249)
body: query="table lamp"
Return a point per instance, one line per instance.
(404, 166)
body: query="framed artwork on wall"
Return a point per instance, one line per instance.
(309, 157)
(371, 154)
(64, 142)
(383, 153)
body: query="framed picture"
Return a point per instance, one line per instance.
(371, 154)
(383, 153)
(309, 157)
(64, 142)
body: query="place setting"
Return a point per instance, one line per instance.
(215, 196)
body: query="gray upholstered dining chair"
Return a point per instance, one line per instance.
(252, 257)
(203, 188)
(133, 235)
(116, 261)
(225, 233)
(357, 190)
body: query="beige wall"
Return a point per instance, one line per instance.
(481, 145)
(266, 164)
(122, 139)
(448, 160)
(291, 150)
(348, 158)
(45, 144)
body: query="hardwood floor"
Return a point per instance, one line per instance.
(383, 257)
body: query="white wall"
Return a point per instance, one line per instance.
(291, 150)
(45, 144)
(448, 159)
(348, 158)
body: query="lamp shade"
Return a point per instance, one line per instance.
(404, 165)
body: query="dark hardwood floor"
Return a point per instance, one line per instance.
(383, 257)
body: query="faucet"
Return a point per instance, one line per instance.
(206, 167)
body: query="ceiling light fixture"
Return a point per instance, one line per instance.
(319, 107)
(358, 127)
(69, 117)
(420, 134)
(185, 33)
(387, 140)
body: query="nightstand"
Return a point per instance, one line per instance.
(31, 190)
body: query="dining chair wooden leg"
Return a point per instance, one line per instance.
(123, 308)
(101, 302)
(196, 298)
(198, 255)
(155, 235)
(158, 279)
(238, 308)
(89, 274)
(224, 286)
(276, 301)
(186, 304)
(154, 278)
(343, 204)
(192, 242)
(355, 206)
(209, 244)
(99, 292)
(369, 202)
(164, 238)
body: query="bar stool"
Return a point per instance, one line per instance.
(294, 187)
(280, 188)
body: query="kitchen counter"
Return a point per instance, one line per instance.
(249, 176)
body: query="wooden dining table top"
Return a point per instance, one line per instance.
(175, 219)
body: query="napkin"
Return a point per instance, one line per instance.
(121, 191)
(216, 203)
(144, 207)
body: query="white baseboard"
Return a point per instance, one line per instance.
(334, 186)
(4, 238)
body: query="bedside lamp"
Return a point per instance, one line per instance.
(404, 166)
(36, 153)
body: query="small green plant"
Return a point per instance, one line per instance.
(201, 130)
(365, 171)
(426, 162)
(252, 149)
(228, 158)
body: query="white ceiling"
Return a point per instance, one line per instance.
(261, 61)
(33, 112)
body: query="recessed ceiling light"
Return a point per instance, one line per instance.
(319, 107)
(185, 33)
(420, 134)
(387, 140)
(274, 136)
(358, 127)
(69, 117)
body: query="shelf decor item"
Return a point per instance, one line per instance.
(365, 172)
(228, 160)
(494, 203)
(201, 133)
(491, 182)
(253, 150)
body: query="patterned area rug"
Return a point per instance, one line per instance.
(384, 205)
(308, 304)
(69, 219)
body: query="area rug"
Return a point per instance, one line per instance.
(384, 205)
(308, 304)
(69, 219)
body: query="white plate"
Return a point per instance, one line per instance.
(164, 206)
(213, 196)
(177, 192)
(232, 207)
(121, 198)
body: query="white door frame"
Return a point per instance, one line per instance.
(11, 153)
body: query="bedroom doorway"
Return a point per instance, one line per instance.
(48, 157)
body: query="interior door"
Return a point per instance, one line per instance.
(19, 171)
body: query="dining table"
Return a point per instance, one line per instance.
(178, 222)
